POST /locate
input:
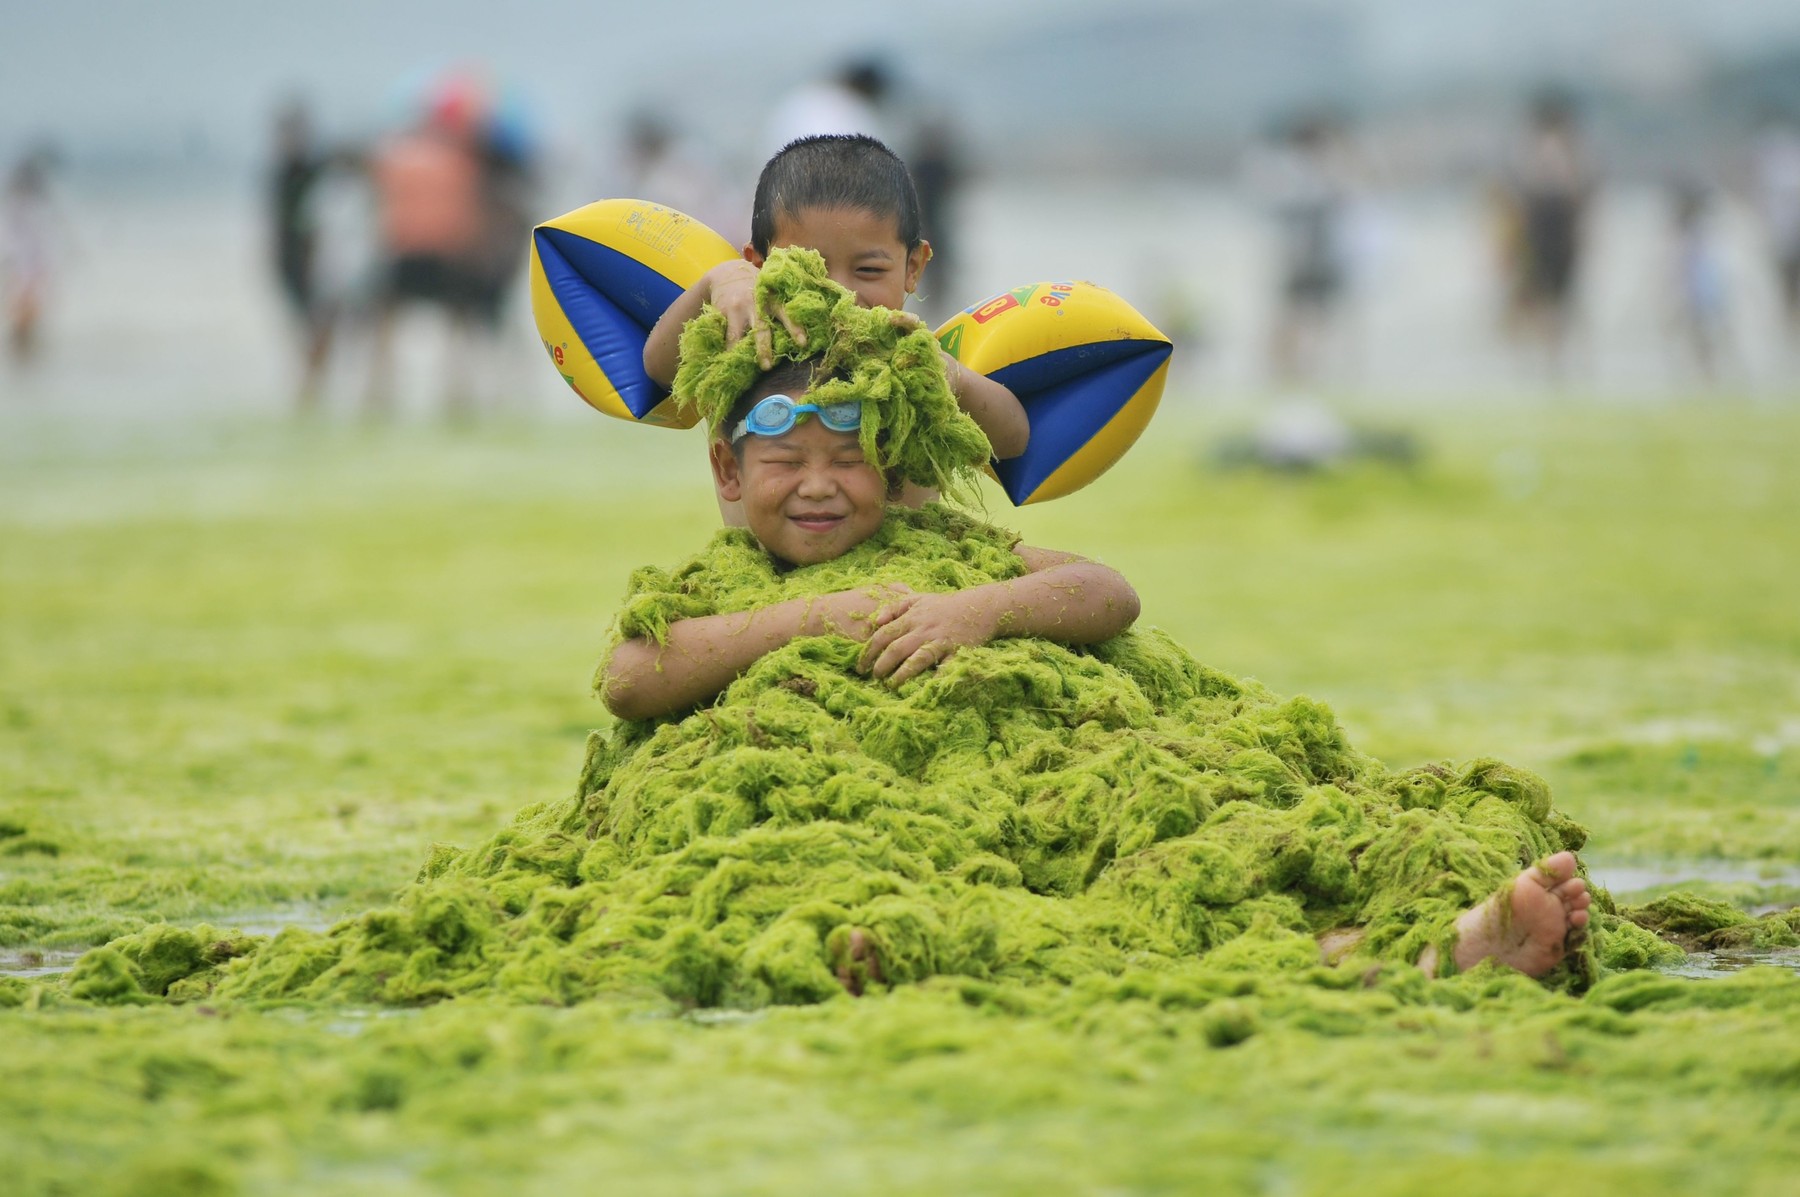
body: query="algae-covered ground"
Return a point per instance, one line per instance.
(250, 674)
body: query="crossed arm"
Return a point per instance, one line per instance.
(1063, 598)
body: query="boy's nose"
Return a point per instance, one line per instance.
(816, 483)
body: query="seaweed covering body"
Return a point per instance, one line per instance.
(1024, 816)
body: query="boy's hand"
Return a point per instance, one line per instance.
(921, 631)
(731, 287)
(853, 613)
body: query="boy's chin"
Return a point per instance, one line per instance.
(797, 552)
(795, 559)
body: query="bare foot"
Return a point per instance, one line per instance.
(859, 964)
(1528, 925)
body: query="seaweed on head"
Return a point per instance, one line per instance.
(883, 359)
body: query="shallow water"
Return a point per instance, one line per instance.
(36, 962)
(1723, 964)
(308, 916)
(1632, 878)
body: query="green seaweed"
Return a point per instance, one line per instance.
(885, 360)
(1025, 815)
(1700, 923)
(233, 683)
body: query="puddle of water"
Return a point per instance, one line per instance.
(33, 962)
(721, 1017)
(305, 915)
(1723, 964)
(47, 962)
(1628, 879)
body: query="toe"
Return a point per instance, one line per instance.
(1571, 889)
(1559, 868)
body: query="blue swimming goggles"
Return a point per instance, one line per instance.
(778, 413)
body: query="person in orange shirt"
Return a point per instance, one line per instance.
(430, 223)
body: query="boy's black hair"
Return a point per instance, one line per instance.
(835, 170)
(786, 378)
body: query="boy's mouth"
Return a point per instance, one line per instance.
(816, 521)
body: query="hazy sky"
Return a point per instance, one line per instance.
(153, 75)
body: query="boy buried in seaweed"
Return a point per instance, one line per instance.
(1063, 793)
(865, 744)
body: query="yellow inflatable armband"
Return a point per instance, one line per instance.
(1088, 368)
(601, 276)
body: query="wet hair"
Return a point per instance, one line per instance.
(835, 170)
(786, 378)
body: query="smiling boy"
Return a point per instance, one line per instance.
(809, 495)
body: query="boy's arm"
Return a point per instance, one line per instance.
(642, 679)
(993, 406)
(1064, 598)
(730, 287)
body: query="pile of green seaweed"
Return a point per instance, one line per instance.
(1025, 822)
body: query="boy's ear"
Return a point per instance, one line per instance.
(915, 265)
(751, 256)
(728, 475)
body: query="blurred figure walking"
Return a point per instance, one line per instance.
(431, 228)
(1701, 309)
(662, 166)
(1777, 196)
(29, 228)
(509, 200)
(937, 167)
(294, 180)
(1552, 182)
(1306, 183)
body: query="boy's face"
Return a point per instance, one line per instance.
(862, 250)
(808, 494)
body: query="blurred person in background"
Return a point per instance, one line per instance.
(30, 231)
(509, 201)
(851, 101)
(1551, 184)
(432, 229)
(938, 171)
(666, 168)
(1698, 277)
(1306, 181)
(1776, 192)
(296, 243)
